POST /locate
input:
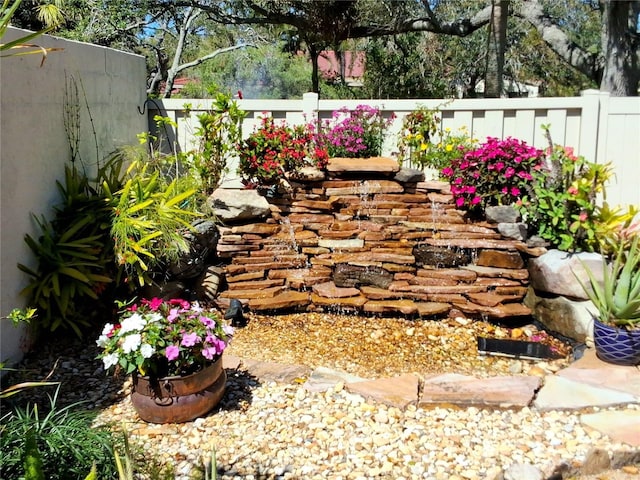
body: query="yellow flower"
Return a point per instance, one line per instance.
(418, 136)
(447, 129)
(448, 148)
(424, 146)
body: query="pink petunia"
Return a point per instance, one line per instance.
(174, 313)
(209, 353)
(189, 339)
(172, 352)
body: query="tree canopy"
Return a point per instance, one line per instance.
(598, 40)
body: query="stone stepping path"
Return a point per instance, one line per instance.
(585, 384)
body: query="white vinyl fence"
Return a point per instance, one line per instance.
(599, 127)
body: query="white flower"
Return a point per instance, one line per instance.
(134, 323)
(107, 329)
(154, 317)
(110, 360)
(147, 350)
(102, 341)
(131, 342)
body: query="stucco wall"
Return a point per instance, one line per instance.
(34, 147)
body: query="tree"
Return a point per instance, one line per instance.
(616, 66)
(495, 48)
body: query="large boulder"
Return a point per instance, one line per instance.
(571, 318)
(234, 206)
(557, 272)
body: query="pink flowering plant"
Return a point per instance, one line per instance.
(562, 206)
(496, 173)
(275, 149)
(357, 133)
(163, 338)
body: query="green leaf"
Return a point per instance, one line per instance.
(74, 273)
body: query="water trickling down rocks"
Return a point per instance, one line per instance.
(372, 243)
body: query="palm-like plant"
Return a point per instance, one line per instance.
(52, 16)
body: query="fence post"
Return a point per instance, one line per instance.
(310, 106)
(590, 117)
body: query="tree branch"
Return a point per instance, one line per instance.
(589, 64)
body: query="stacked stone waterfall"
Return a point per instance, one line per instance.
(367, 236)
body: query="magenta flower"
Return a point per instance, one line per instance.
(172, 352)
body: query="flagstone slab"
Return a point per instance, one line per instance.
(593, 371)
(323, 379)
(371, 164)
(275, 372)
(560, 393)
(622, 425)
(288, 299)
(397, 392)
(465, 391)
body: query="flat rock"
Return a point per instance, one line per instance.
(348, 302)
(367, 187)
(462, 390)
(397, 392)
(491, 299)
(500, 259)
(257, 228)
(592, 371)
(506, 310)
(428, 309)
(330, 290)
(275, 372)
(562, 393)
(406, 307)
(288, 299)
(622, 425)
(322, 379)
(493, 272)
(369, 165)
(346, 243)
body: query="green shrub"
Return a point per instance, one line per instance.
(59, 444)
(73, 252)
(562, 204)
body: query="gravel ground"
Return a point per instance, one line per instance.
(275, 431)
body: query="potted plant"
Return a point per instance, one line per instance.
(616, 331)
(173, 350)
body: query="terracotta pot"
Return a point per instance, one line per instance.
(616, 345)
(179, 399)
